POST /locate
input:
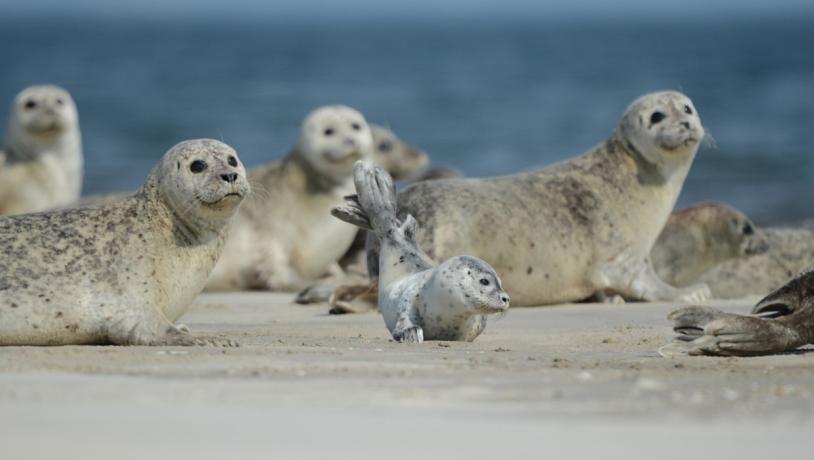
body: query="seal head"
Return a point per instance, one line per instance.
(40, 117)
(332, 139)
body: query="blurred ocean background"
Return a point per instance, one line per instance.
(485, 96)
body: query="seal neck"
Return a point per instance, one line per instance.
(314, 181)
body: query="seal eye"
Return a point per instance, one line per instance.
(232, 161)
(748, 230)
(60, 101)
(687, 110)
(356, 126)
(385, 146)
(197, 166)
(30, 104)
(657, 117)
(328, 132)
(484, 281)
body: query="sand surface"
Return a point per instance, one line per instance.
(572, 381)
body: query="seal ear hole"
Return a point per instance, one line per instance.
(328, 132)
(657, 117)
(178, 166)
(687, 110)
(198, 166)
(385, 146)
(232, 161)
(30, 104)
(356, 126)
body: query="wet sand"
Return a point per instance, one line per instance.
(571, 381)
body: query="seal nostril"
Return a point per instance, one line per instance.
(350, 142)
(504, 299)
(230, 178)
(685, 124)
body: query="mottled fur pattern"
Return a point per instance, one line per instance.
(121, 273)
(41, 161)
(562, 233)
(417, 299)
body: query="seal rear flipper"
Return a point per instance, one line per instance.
(351, 212)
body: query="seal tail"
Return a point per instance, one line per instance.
(374, 205)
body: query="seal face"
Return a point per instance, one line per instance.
(122, 272)
(698, 238)
(41, 161)
(419, 300)
(398, 158)
(562, 233)
(284, 236)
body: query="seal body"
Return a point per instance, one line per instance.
(284, 236)
(41, 159)
(700, 237)
(419, 300)
(562, 233)
(121, 273)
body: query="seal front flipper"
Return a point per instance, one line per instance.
(151, 328)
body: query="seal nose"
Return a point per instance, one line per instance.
(505, 299)
(350, 142)
(230, 178)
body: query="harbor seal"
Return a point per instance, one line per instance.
(121, 273)
(398, 158)
(418, 299)
(284, 237)
(41, 160)
(700, 237)
(563, 233)
(782, 321)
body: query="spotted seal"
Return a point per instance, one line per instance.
(41, 159)
(563, 233)
(418, 299)
(121, 273)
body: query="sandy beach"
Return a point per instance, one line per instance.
(571, 381)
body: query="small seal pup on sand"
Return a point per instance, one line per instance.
(783, 321)
(698, 238)
(41, 159)
(284, 236)
(121, 273)
(418, 299)
(563, 233)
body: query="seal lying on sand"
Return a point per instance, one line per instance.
(284, 236)
(562, 233)
(418, 299)
(121, 273)
(41, 160)
(785, 321)
(698, 238)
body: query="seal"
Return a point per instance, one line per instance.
(284, 237)
(122, 273)
(41, 160)
(789, 251)
(397, 157)
(700, 237)
(782, 321)
(418, 299)
(563, 233)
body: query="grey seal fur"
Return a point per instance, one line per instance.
(41, 159)
(418, 299)
(121, 273)
(563, 233)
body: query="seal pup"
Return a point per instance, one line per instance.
(563, 233)
(41, 159)
(122, 273)
(418, 299)
(699, 237)
(782, 321)
(284, 237)
(400, 159)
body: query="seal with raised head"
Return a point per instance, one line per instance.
(699, 237)
(397, 157)
(418, 299)
(284, 236)
(121, 273)
(782, 321)
(563, 233)
(41, 159)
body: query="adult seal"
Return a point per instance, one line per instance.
(121, 273)
(41, 159)
(400, 159)
(700, 237)
(782, 321)
(418, 299)
(284, 237)
(563, 233)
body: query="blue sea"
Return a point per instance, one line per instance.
(485, 98)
